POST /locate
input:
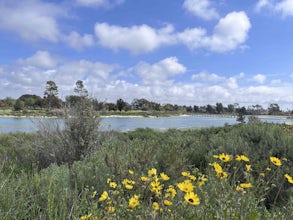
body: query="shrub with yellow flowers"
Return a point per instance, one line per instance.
(231, 183)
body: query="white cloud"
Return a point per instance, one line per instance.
(31, 19)
(137, 39)
(159, 72)
(75, 40)
(230, 32)
(207, 77)
(201, 8)
(98, 3)
(39, 59)
(284, 7)
(259, 78)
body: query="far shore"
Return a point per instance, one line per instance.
(148, 116)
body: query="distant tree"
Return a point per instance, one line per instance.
(10, 101)
(196, 108)
(168, 107)
(231, 108)
(50, 95)
(31, 101)
(219, 108)
(120, 104)
(189, 109)
(210, 109)
(274, 109)
(240, 118)
(19, 105)
(80, 89)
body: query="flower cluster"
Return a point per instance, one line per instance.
(156, 192)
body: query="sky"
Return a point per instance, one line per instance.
(185, 52)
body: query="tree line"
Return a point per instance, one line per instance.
(50, 101)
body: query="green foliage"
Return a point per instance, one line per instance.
(64, 192)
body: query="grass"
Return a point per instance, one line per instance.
(86, 189)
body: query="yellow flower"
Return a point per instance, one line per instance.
(222, 175)
(186, 186)
(164, 176)
(289, 178)
(245, 185)
(104, 196)
(108, 180)
(185, 173)
(131, 172)
(248, 167)
(156, 206)
(223, 157)
(94, 194)
(128, 184)
(133, 201)
(192, 177)
(262, 174)
(110, 209)
(167, 202)
(192, 198)
(113, 185)
(217, 167)
(152, 172)
(171, 192)
(156, 187)
(242, 157)
(144, 178)
(85, 217)
(276, 161)
(268, 169)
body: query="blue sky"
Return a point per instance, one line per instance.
(187, 52)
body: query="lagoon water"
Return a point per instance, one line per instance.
(131, 123)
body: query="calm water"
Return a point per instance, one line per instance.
(129, 123)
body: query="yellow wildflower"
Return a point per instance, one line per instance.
(242, 157)
(164, 176)
(94, 194)
(133, 201)
(192, 177)
(104, 196)
(276, 161)
(110, 209)
(170, 192)
(167, 202)
(131, 172)
(289, 178)
(192, 198)
(152, 172)
(85, 217)
(144, 178)
(128, 184)
(248, 167)
(113, 185)
(222, 175)
(156, 206)
(185, 173)
(268, 169)
(217, 167)
(245, 185)
(262, 174)
(223, 157)
(156, 186)
(186, 186)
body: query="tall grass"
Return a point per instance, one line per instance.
(63, 192)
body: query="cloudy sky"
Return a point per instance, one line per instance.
(187, 52)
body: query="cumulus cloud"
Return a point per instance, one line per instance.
(207, 77)
(137, 39)
(75, 40)
(31, 19)
(201, 8)
(39, 59)
(259, 78)
(159, 72)
(230, 33)
(284, 7)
